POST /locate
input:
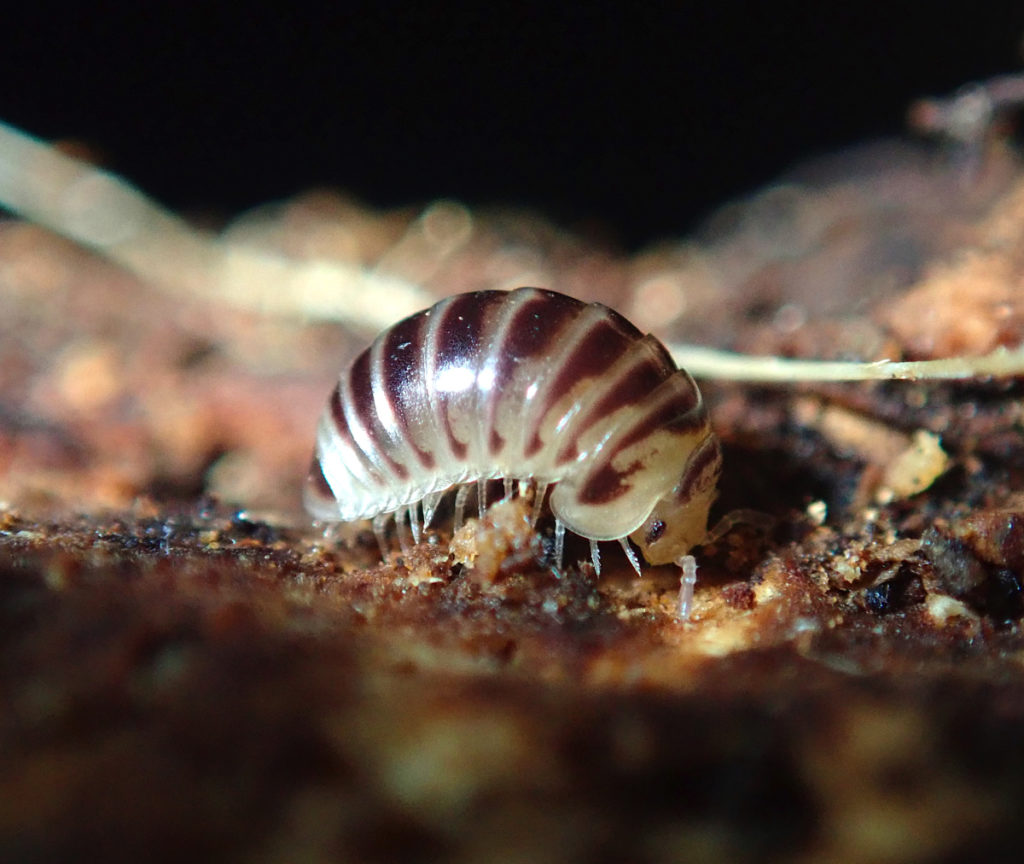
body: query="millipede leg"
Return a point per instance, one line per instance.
(481, 497)
(630, 554)
(538, 502)
(414, 522)
(460, 506)
(430, 502)
(403, 539)
(330, 531)
(754, 518)
(559, 543)
(380, 527)
(689, 578)
(595, 556)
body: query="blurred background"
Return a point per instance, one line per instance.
(627, 122)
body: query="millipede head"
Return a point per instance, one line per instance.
(679, 521)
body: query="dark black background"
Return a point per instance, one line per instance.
(637, 117)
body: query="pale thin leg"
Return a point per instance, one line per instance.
(430, 502)
(380, 527)
(507, 481)
(403, 537)
(460, 506)
(414, 522)
(595, 556)
(481, 497)
(686, 583)
(630, 554)
(559, 543)
(538, 503)
(754, 518)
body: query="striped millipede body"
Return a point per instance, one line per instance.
(532, 386)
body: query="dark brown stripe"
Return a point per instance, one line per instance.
(675, 414)
(707, 458)
(458, 347)
(360, 390)
(464, 320)
(604, 342)
(402, 376)
(634, 387)
(345, 434)
(600, 347)
(337, 412)
(534, 330)
(318, 482)
(606, 484)
(527, 327)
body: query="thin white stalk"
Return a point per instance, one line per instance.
(103, 212)
(709, 363)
